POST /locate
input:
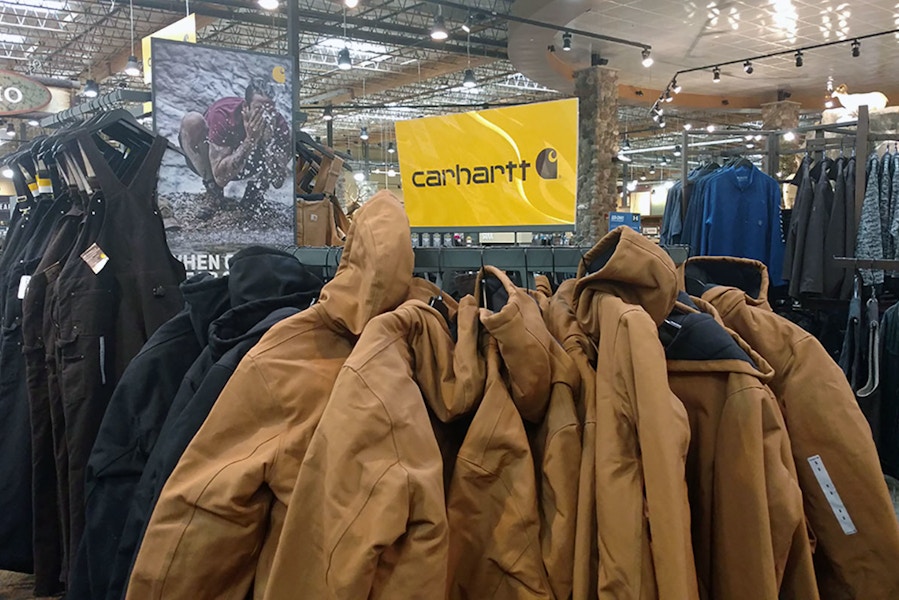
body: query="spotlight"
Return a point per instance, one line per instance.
(662, 124)
(391, 148)
(799, 61)
(351, 3)
(668, 96)
(716, 75)
(91, 89)
(655, 116)
(268, 4)
(675, 87)
(789, 136)
(132, 67)
(469, 80)
(647, 57)
(710, 128)
(438, 29)
(856, 49)
(566, 42)
(363, 134)
(747, 66)
(328, 114)
(344, 62)
(678, 151)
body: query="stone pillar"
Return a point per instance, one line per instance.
(780, 116)
(597, 91)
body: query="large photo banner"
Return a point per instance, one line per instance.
(510, 168)
(233, 186)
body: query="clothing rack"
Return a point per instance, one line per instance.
(115, 99)
(864, 263)
(525, 261)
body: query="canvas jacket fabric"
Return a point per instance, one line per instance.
(831, 440)
(386, 534)
(228, 496)
(626, 287)
(749, 533)
(563, 325)
(512, 502)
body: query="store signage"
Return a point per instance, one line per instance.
(184, 30)
(20, 95)
(632, 220)
(502, 168)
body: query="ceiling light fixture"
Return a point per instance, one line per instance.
(328, 114)
(662, 124)
(344, 62)
(391, 148)
(652, 169)
(716, 74)
(664, 160)
(856, 48)
(668, 96)
(268, 4)
(631, 186)
(688, 126)
(624, 157)
(747, 67)
(469, 80)
(469, 21)
(647, 57)
(789, 136)
(675, 87)
(642, 177)
(132, 67)
(351, 3)
(363, 134)
(438, 29)
(626, 144)
(678, 150)
(359, 176)
(799, 60)
(34, 123)
(710, 128)
(391, 172)
(566, 41)
(91, 89)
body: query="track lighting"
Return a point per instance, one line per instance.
(675, 87)
(91, 89)
(268, 4)
(799, 61)
(11, 129)
(566, 42)
(856, 48)
(391, 148)
(647, 57)
(344, 62)
(363, 134)
(469, 80)
(678, 150)
(655, 116)
(659, 110)
(662, 124)
(351, 3)
(438, 29)
(716, 74)
(132, 67)
(328, 114)
(668, 96)
(747, 67)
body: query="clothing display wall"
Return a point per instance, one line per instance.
(878, 232)
(728, 211)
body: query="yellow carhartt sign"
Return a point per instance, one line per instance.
(184, 30)
(512, 167)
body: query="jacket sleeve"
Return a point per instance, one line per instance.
(366, 518)
(209, 522)
(663, 433)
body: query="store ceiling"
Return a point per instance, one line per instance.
(399, 72)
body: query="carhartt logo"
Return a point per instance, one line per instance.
(547, 164)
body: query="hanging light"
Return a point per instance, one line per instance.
(688, 126)
(34, 123)
(856, 48)
(469, 21)
(678, 150)
(469, 80)
(268, 4)
(328, 114)
(351, 3)
(132, 67)
(664, 160)
(799, 61)
(652, 169)
(642, 177)
(675, 87)
(344, 62)
(566, 41)
(716, 75)
(391, 148)
(11, 129)
(438, 29)
(7, 173)
(624, 157)
(789, 136)
(647, 57)
(391, 172)
(626, 144)
(363, 134)
(710, 128)
(662, 124)
(91, 89)
(747, 67)
(632, 186)
(668, 96)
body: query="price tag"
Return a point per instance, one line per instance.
(95, 258)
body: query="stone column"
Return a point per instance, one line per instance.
(780, 116)
(597, 91)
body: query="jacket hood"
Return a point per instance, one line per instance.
(256, 273)
(513, 318)
(207, 299)
(703, 274)
(629, 266)
(243, 322)
(375, 268)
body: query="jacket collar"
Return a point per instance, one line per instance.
(627, 265)
(709, 277)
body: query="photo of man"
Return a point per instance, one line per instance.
(228, 112)
(238, 139)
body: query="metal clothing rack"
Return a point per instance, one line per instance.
(523, 260)
(112, 100)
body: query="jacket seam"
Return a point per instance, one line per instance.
(281, 406)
